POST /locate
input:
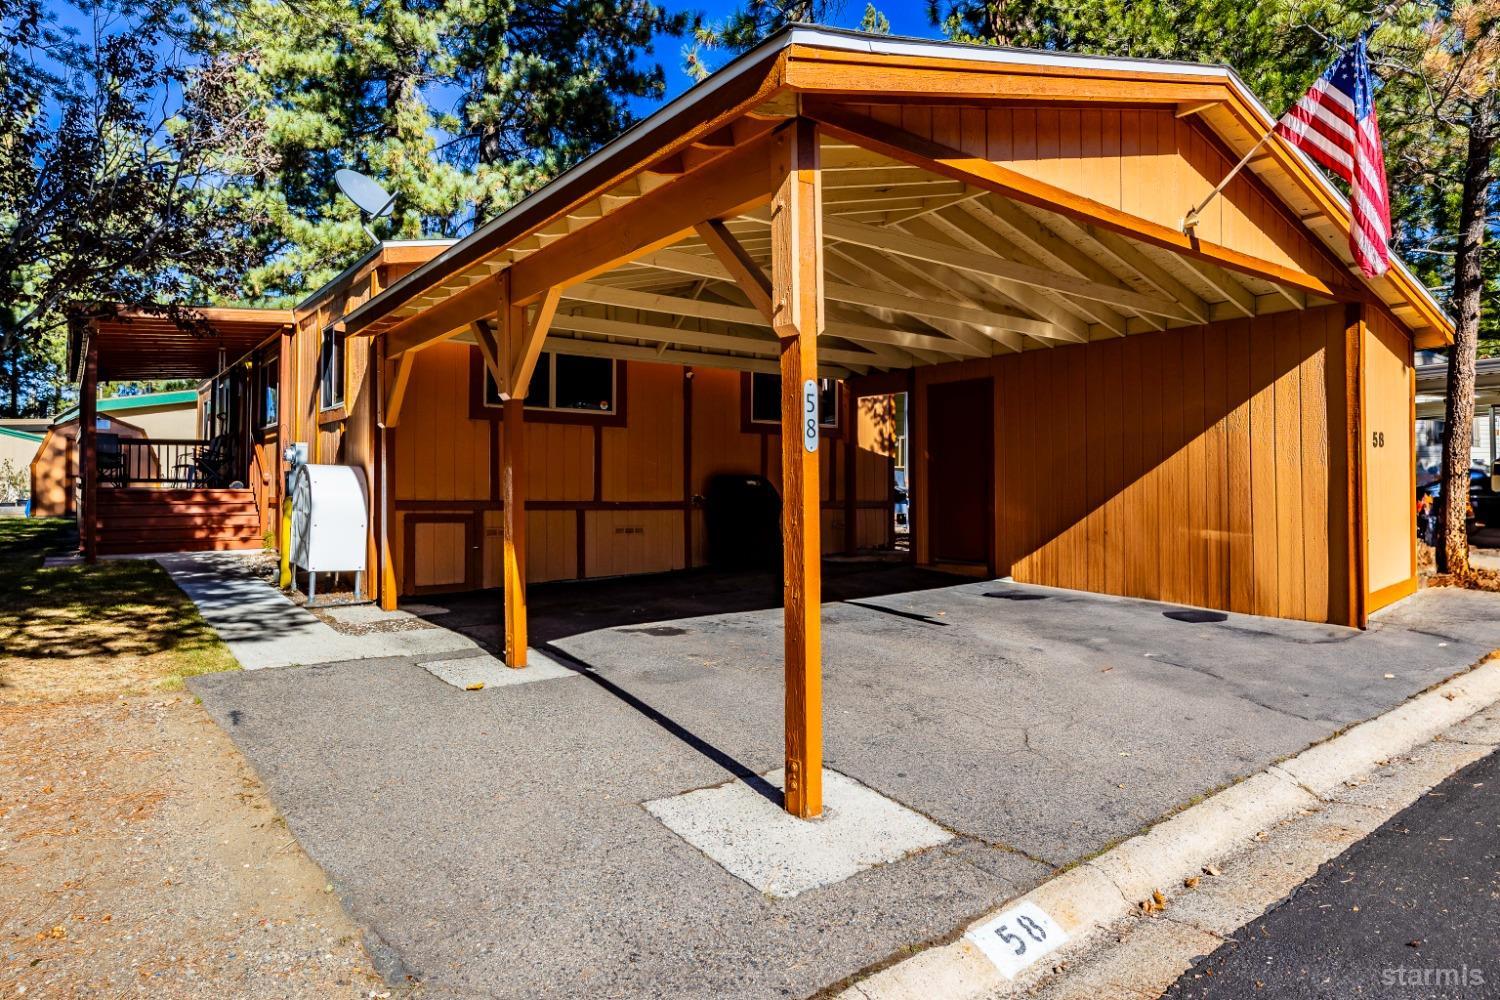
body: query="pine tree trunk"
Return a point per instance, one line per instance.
(1468, 287)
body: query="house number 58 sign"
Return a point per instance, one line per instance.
(810, 415)
(1018, 937)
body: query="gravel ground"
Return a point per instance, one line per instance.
(139, 856)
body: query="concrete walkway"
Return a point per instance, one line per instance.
(496, 842)
(263, 628)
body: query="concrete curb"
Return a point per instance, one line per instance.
(1099, 892)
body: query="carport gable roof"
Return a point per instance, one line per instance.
(819, 73)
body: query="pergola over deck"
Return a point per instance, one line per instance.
(119, 345)
(838, 204)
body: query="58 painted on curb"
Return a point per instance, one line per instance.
(1018, 937)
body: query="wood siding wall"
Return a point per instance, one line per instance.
(1390, 462)
(601, 500)
(1203, 466)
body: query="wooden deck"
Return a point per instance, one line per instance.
(134, 520)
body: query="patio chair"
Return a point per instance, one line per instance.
(211, 466)
(109, 460)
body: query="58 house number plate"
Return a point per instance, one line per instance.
(1018, 937)
(810, 415)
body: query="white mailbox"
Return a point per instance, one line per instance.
(330, 521)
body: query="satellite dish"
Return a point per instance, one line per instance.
(368, 196)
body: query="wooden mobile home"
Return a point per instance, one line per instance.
(1099, 399)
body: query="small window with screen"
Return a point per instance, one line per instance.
(331, 370)
(566, 383)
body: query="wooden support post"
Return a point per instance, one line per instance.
(797, 279)
(513, 477)
(513, 496)
(397, 374)
(88, 453)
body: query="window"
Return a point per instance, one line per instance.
(765, 400)
(331, 370)
(565, 382)
(219, 419)
(266, 392)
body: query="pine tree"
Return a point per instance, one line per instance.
(458, 107)
(751, 24)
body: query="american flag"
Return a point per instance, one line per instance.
(1334, 123)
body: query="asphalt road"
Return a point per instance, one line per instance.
(1413, 910)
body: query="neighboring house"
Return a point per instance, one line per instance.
(17, 448)
(1432, 395)
(1097, 400)
(162, 417)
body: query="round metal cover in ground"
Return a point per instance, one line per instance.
(1196, 616)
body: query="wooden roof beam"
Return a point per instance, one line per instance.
(941, 309)
(838, 324)
(900, 273)
(748, 274)
(1065, 315)
(905, 276)
(740, 179)
(684, 263)
(451, 315)
(1222, 282)
(900, 144)
(978, 232)
(1132, 259)
(949, 255)
(634, 352)
(1030, 233)
(766, 346)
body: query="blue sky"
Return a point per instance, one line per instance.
(907, 17)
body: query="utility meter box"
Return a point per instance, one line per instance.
(330, 518)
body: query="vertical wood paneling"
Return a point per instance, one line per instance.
(1146, 162)
(1390, 491)
(643, 459)
(1263, 467)
(1291, 572)
(443, 455)
(1216, 541)
(1096, 420)
(1192, 465)
(1316, 472)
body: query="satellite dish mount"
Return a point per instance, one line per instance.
(369, 197)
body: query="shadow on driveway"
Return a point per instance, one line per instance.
(495, 841)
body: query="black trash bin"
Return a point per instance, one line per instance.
(743, 515)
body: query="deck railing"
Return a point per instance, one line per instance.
(181, 462)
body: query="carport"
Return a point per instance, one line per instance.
(1100, 401)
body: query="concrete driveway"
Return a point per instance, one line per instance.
(495, 843)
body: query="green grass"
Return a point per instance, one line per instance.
(111, 627)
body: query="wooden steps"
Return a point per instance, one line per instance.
(135, 520)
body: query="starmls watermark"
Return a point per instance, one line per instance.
(1412, 977)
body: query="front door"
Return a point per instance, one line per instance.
(960, 471)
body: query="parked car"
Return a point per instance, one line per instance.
(1484, 505)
